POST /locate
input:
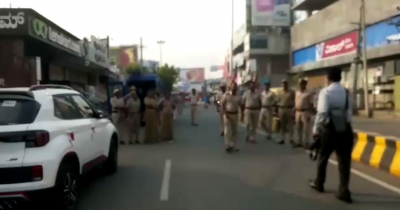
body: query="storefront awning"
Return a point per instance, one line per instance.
(311, 5)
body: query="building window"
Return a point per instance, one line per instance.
(258, 43)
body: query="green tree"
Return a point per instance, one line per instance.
(135, 68)
(168, 75)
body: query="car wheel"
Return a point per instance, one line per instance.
(66, 189)
(111, 164)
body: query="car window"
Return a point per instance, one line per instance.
(84, 107)
(64, 108)
(18, 111)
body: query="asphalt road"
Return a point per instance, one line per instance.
(385, 127)
(202, 176)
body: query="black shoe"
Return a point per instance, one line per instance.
(122, 142)
(138, 142)
(130, 143)
(222, 133)
(281, 142)
(316, 187)
(229, 149)
(344, 198)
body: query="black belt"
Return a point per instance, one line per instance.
(115, 112)
(253, 108)
(286, 107)
(303, 110)
(267, 107)
(231, 112)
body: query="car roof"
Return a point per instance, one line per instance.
(42, 92)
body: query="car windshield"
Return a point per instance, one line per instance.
(18, 111)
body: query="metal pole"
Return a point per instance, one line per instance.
(232, 34)
(141, 55)
(364, 59)
(355, 66)
(161, 42)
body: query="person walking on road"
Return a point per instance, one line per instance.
(218, 100)
(194, 99)
(167, 117)
(286, 104)
(251, 107)
(303, 109)
(151, 118)
(268, 100)
(180, 103)
(333, 130)
(133, 105)
(230, 104)
(119, 114)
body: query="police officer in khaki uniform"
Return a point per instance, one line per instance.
(119, 114)
(230, 105)
(180, 103)
(251, 103)
(286, 108)
(268, 100)
(194, 98)
(303, 108)
(218, 100)
(133, 120)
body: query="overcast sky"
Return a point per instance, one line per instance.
(197, 32)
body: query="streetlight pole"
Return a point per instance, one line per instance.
(368, 110)
(161, 42)
(232, 34)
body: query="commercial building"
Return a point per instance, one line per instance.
(331, 37)
(34, 50)
(263, 39)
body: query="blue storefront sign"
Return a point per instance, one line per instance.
(377, 35)
(305, 55)
(382, 34)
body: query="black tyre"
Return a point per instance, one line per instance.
(66, 188)
(111, 164)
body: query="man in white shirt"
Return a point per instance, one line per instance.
(194, 99)
(268, 100)
(332, 129)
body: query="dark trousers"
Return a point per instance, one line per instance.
(342, 145)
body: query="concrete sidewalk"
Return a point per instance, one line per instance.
(383, 127)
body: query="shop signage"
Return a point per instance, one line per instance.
(96, 51)
(12, 21)
(44, 31)
(336, 47)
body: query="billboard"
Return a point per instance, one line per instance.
(123, 56)
(215, 72)
(270, 12)
(192, 75)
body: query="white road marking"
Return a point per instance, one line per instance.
(360, 174)
(164, 195)
(372, 179)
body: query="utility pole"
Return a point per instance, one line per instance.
(141, 54)
(161, 42)
(368, 110)
(232, 35)
(361, 58)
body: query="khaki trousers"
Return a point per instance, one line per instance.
(251, 120)
(286, 123)
(193, 113)
(119, 122)
(221, 121)
(303, 126)
(133, 122)
(230, 129)
(266, 116)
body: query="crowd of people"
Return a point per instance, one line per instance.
(331, 131)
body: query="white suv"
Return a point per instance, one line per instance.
(49, 136)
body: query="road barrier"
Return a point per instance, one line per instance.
(377, 151)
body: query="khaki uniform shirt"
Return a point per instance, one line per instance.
(151, 103)
(219, 97)
(303, 100)
(286, 99)
(251, 100)
(167, 106)
(117, 103)
(194, 98)
(268, 99)
(232, 102)
(133, 105)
